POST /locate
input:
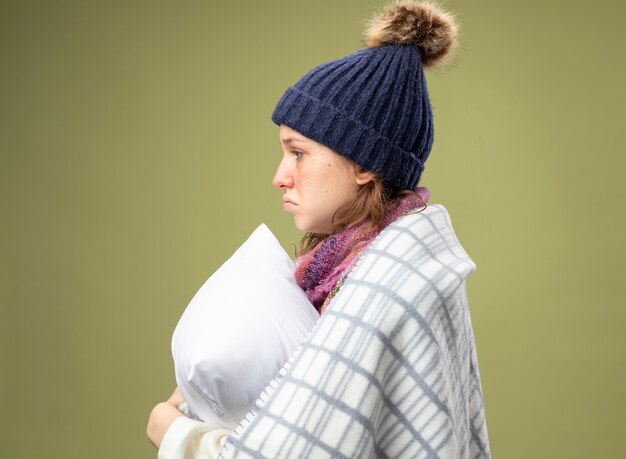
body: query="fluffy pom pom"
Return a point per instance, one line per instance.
(422, 24)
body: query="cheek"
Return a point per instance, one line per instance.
(342, 185)
(331, 179)
(334, 194)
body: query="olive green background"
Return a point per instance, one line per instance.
(137, 153)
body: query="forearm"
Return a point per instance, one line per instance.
(189, 439)
(178, 437)
(160, 419)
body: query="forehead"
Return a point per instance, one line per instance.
(287, 135)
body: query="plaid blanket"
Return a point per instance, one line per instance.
(390, 369)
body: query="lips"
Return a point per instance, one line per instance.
(288, 201)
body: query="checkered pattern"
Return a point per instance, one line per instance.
(390, 369)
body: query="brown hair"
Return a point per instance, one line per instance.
(369, 206)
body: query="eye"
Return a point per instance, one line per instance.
(297, 154)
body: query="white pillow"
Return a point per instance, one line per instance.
(239, 329)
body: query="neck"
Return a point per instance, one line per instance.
(332, 256)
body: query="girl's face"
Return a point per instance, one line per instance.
(317, 181)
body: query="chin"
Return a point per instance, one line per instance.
(306, 227)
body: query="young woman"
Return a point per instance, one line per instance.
(390, 369)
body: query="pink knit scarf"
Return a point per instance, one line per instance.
(321, 271)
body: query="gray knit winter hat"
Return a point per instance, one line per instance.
(372, 106)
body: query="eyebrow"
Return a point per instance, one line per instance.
(291, 140)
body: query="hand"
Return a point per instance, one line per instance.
(162, 416)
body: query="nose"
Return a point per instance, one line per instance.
(283, 177)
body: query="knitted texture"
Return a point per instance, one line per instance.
(371, 106)
(320, 270)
